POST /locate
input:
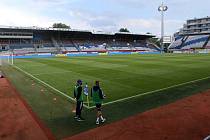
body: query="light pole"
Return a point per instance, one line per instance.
(162, 8)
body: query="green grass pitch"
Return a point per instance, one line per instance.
(121, 76)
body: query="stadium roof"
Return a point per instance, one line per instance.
(35, 28)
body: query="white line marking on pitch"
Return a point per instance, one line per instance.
(207, 138)
(119, 100)
(150, 92)
(47, 85)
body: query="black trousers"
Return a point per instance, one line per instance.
(79, 108)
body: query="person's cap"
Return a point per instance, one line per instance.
(79, 81)
(97, 82)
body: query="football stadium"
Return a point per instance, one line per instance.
(149, 90)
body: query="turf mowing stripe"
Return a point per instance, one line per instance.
(42, 82)
(151, 92)
(119, 100)
(53, 73)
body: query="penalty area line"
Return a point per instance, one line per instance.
(44, 83)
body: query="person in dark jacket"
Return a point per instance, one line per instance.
(79, 100)
(98, 96)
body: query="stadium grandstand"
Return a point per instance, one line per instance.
(56, 41)
(193, 37)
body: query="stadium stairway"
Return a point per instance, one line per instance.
(183, 41)
(207, 41)
(155, 46)
(56, 45)
(178, 42)
(76, 46)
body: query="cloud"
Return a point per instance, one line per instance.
(139, 22)
(139, 16)
(151, 25)
(51, 2)
(13, 17)
(105, 21)
(113, 22)
(134, 3)
(140, 25)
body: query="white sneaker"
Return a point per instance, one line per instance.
(97, 122)
(80, 119)
(103, 120)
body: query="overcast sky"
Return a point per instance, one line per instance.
(139, 16)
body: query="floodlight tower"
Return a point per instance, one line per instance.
(162, 8)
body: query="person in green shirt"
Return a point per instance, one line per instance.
(98, 96)
(79, 99)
